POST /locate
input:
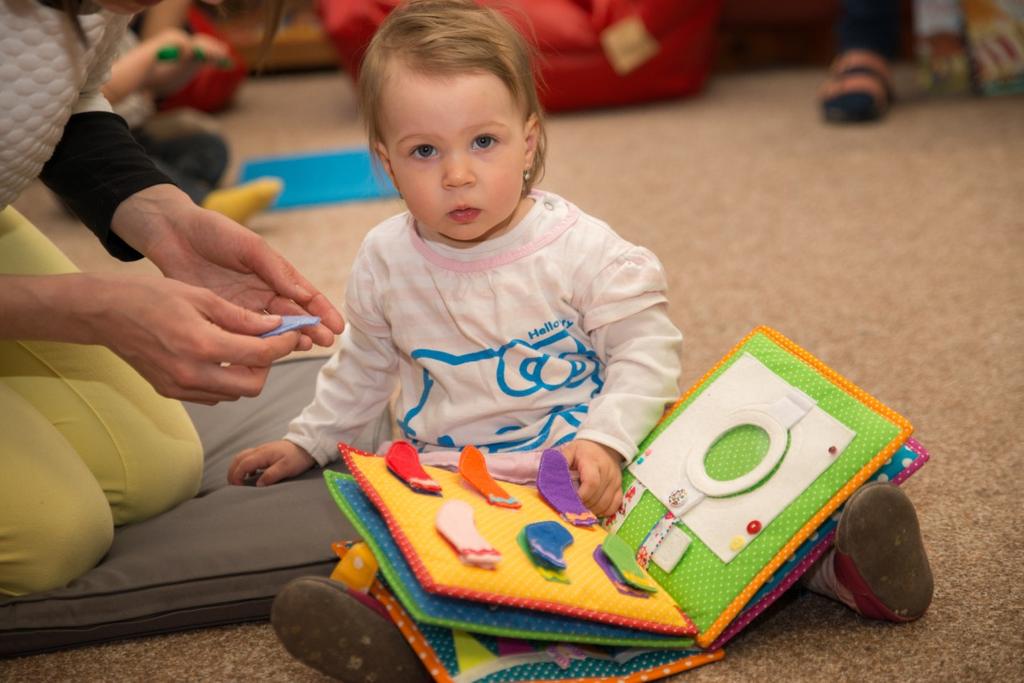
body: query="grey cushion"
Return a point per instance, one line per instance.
(216, 559)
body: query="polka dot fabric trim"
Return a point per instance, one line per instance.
(435, 648)
(412, 634)
(712, 592)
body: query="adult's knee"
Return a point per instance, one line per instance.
(48, 544)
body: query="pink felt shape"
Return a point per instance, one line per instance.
(455, 522)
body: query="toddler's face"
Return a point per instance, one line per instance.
(456, 148)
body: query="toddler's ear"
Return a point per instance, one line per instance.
(385, 160)
(531, 133)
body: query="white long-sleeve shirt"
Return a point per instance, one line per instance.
(46, 75)
(556, 330)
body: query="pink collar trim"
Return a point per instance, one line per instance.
(541, 241)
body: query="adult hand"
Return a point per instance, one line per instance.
(600, 475)
(189, 343)
(207, 249)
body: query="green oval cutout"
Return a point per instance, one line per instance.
(736, 452)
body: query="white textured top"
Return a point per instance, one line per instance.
(46, 75)
(555, 330)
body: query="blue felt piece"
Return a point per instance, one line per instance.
(343, 175)
(547, 541)
(292, 322)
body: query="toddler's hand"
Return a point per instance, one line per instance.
(278, 459)
(600, 475)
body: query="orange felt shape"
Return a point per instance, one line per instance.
(473, 468)
(514, 582)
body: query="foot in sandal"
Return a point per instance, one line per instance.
(858, 88)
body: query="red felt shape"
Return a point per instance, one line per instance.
(403, 460)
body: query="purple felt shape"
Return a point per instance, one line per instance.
(555, 486)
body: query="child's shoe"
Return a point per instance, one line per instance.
(342, 634)
(878, 567)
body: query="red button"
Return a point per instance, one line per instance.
(753, 527)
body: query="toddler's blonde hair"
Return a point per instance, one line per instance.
(448, 38)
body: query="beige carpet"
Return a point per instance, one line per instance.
(895, 252)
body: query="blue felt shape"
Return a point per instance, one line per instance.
(343, 175)
(292, 322)
(547, 541)
(476, 617)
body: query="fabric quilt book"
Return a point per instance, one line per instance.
(460, 640)
(731, 497)
(744, 469)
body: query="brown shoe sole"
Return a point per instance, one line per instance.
(324, 627)
(879, 533)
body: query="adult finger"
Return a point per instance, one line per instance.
(318, 334)
(331, 318)
(234, 318)
(232, 338)
(235, 380)
(181, 383)
(282, 276)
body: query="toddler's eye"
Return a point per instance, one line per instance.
(423, 151)
(483, 141)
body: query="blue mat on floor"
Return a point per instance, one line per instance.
(343, 175)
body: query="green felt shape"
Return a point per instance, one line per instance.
(701, 583)
(621, 555)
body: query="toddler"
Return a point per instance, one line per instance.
(509, 318)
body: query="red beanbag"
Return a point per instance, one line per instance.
(573, 66)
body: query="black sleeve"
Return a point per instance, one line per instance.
(96, 165)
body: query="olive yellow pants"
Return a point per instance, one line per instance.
(86, 443)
